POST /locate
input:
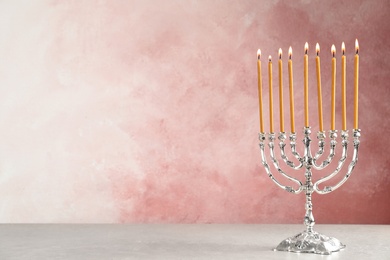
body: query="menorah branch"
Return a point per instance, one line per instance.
(276, 164)
(268, 169)
(282, 138)
(321, 145)
(327, 189)
(293, 138)
(351, 166)
(333, 143)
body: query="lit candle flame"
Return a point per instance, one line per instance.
(317, 49)
(306, 47)
(280, 53)
(258, 54)
(290, 53)
(343, 48)
(357, 46)
(269, 58)
(333, 50)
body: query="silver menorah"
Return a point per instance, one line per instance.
(310, 241)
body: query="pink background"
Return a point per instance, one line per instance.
(147, 111)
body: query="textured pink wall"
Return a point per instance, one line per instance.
(146, 111)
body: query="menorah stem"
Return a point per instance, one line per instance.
(308, 163)
(309, 218)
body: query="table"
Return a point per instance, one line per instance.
(180, 241)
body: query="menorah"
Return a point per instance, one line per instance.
(309, 241)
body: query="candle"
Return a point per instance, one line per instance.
(343, 88)
(318, 69)
(306, 84)
(281, 110)
(356, 97)
(333, 101)
(291, 87)
(260, 89)
(271, 107)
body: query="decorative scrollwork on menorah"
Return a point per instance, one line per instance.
(309, 241)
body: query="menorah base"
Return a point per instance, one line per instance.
(310, 242)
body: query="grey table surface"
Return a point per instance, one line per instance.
(180, 241)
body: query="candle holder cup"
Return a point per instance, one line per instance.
(309, 241)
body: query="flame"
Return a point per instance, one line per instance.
(280, 53)
(290, 53)
(258, 54)
(317, 49)
(306, 47)
(343, 48)
(333, 50)
(357, 46)
(269, 58)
